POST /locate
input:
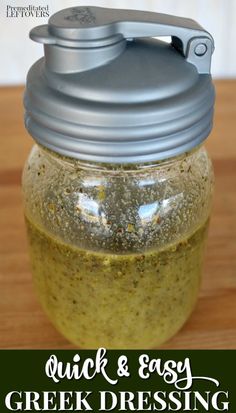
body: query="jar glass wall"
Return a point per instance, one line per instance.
(117, 250)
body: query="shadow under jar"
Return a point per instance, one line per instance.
(117, 251)
(118, 188)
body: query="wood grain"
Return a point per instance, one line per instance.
(213, 322)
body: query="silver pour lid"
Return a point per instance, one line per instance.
(106, 91)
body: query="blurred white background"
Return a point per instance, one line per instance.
(17, 52)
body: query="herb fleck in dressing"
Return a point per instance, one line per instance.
(116, 300)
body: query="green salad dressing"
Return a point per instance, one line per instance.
(116, 300)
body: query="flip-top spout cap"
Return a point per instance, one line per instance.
(107, 92)
(100, 28)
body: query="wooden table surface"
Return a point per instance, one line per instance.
(213, 322)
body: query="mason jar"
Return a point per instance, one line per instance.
(118, 188)
(117, 250)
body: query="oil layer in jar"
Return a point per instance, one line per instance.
(116, 300)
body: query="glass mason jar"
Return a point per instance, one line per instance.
(117, 190)
(117, 250)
